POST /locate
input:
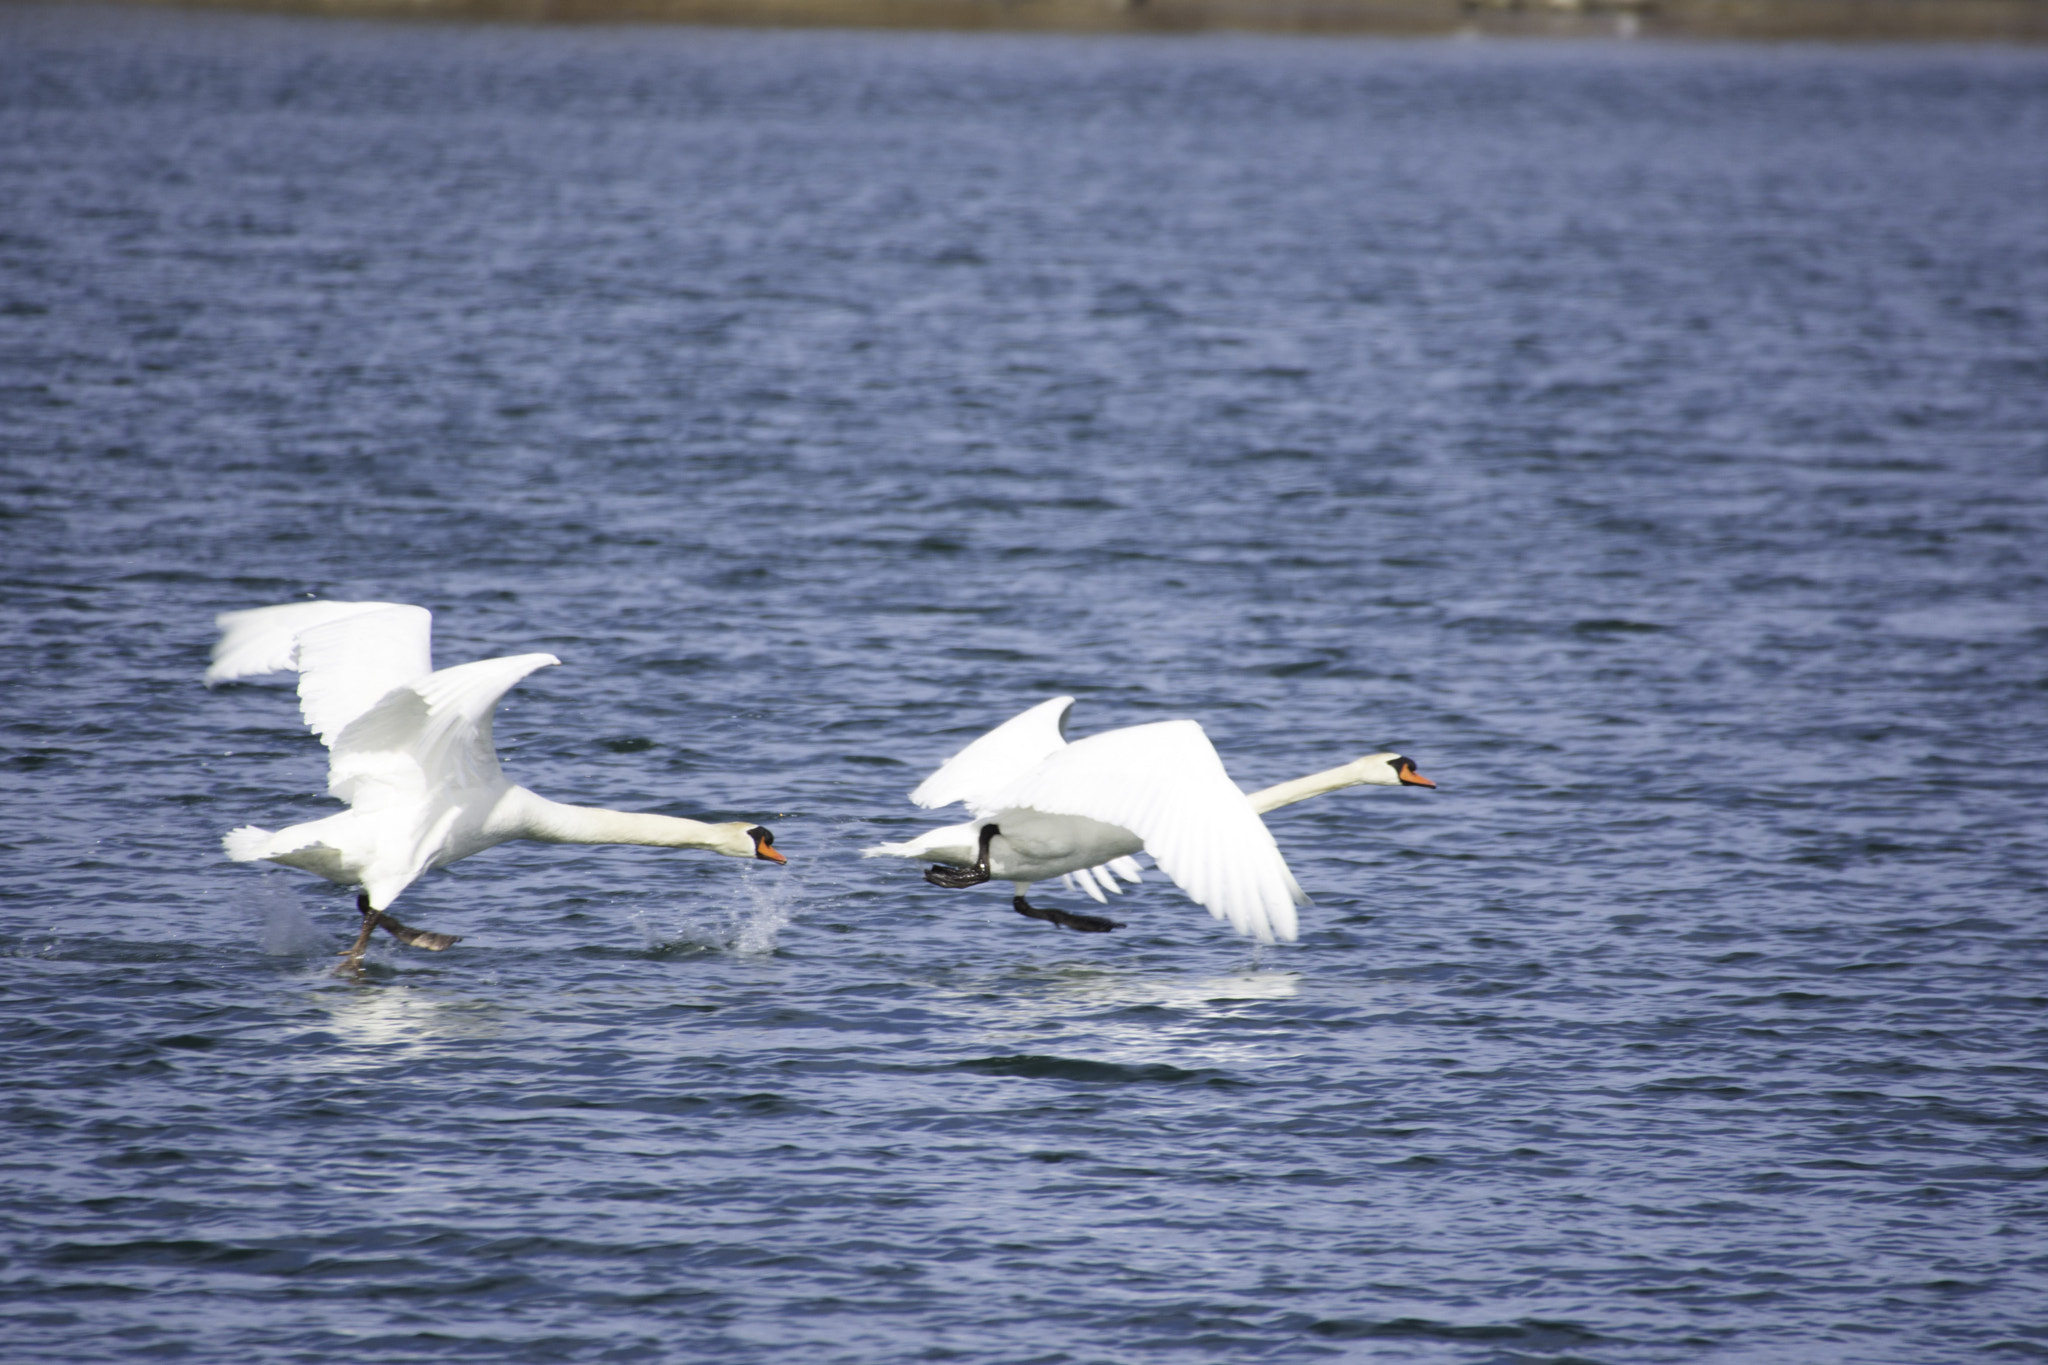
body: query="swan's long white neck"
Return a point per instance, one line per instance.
(1373, 770)
(552, 822)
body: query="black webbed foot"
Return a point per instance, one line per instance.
(1085, 924)
(352, 960)
(417, 938)
(956, 877)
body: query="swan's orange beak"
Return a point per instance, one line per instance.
(764, 845)
(1411, 778)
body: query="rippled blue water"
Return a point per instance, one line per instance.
(1650, 441)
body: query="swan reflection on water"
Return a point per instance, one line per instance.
(1207, 995)
(1128, 1020)
(396, 1023)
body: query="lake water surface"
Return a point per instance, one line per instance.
(1651, 442)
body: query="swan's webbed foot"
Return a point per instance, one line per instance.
(1065, 919)
(417, 938)
(953, 878)
(352, 960)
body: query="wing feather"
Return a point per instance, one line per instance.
(432, 735)
(266, 639)
(1165, 783)
(999, 757)
(347, 665)
(348, 655)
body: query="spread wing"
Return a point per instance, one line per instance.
(999, 757)
(348, 654)
(266, 639)
(347, 666)
(1165, 784)
(432, 735)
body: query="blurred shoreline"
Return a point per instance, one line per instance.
(1893, 20)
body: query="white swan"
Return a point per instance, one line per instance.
(411, 753)
(1046, 808)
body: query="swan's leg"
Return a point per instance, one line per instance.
(352, 960)
(1087, 924)
(417, 938)
(957, 877)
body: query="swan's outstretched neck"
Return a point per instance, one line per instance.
(1301, 789)
(1374, 768)
(552, 822)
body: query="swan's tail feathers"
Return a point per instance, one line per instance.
(248, 844)
(293, 847)
(955, 844)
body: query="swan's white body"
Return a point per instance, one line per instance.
(412, 754)
(1081, 810)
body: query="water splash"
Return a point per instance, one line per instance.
(748, 927)
(286, 930)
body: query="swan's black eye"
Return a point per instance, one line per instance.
(760, 835)
(1401, 765)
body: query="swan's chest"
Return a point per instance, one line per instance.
(1034, 846)
(464, 822)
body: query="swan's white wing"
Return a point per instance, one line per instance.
(1165, 784)
(429, 736)
(266, 639)
(348, 654)
(1093, 881)
(1082, 882)
(999, 757)
(347, 665)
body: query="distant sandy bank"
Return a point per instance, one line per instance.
(1967, 20)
